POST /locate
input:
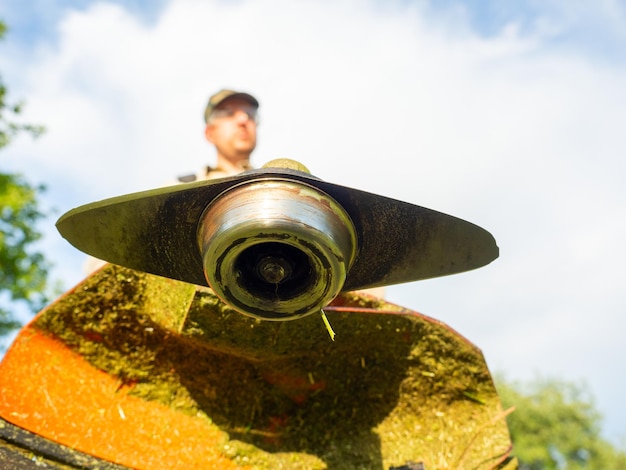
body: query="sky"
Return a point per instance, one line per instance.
(507, 114)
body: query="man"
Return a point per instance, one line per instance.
(231, 119)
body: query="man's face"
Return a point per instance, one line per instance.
(232, 128)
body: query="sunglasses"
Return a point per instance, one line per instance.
(250, 112)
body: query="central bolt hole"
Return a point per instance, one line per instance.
(274, 269)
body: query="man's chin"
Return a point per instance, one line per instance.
(245, 147)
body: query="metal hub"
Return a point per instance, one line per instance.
(276, 249)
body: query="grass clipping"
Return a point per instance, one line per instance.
(392, 388)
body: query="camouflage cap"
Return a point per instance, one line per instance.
(221, 95)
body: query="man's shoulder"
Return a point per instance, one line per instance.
(187, 178)
(206, 173)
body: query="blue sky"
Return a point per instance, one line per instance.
(508, 114)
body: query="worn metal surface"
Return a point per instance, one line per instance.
(156, 232)
(276, 250)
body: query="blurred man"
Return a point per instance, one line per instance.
(231, 119)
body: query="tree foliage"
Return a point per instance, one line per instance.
(24, 272)
(556, 426)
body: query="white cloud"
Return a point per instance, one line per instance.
(507, 132)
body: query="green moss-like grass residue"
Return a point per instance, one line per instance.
(393, 387)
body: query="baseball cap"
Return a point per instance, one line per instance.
(221, 95)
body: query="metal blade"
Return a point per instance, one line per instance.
(156, 232)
